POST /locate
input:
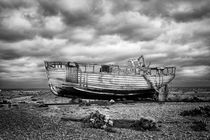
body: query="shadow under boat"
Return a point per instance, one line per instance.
(108, 94)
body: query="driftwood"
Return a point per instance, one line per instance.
(101, 121)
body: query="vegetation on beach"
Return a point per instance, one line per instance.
(201, 111)
(199, 126)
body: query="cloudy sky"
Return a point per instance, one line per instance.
(166, 32)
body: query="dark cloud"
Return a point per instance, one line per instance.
(15, 3)
(28, 84)
(155, 8)
(194, 14)
(203, 35)
(198, 61)
(9, 35)
(150, 8)
(38, 48)
(78, 19)
(83, 16)
(120, 6)
(129, 32)
(3, 70)
(13, 36)
(48, 7)
(196, 10)
(9, 54)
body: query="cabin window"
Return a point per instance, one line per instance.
(105, 68)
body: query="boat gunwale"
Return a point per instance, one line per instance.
(93, 64)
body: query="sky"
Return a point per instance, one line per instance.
(166, 32)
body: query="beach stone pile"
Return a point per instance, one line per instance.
(98, 120)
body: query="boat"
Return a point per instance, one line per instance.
(135, 80)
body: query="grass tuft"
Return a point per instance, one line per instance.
(199, 126)
(201, 111)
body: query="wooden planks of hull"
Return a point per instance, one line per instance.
(118, 82)
(113, 82)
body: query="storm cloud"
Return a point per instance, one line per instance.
(103, 31)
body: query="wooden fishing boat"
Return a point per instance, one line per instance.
(82, 80)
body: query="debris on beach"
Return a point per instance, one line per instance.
(43, 105)
(145, 124)
(84, 103)
(103, 103)
(40, 102)
(192, 99)
(76, 100)
(15, 105)
(22, 102)
(33, 99)
(112, 101)
(5, 101)
(99, 121)
(201, 111)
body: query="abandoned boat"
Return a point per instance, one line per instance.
(82, 80)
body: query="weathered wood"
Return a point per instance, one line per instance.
(93, 77)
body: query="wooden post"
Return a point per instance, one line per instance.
(80, 83)
(86, 82)
(164, 93)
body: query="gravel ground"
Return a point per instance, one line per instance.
(23, 119)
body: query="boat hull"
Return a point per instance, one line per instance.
(73, 92)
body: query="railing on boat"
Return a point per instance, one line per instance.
(111, 69)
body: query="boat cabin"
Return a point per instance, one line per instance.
(74, 67)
